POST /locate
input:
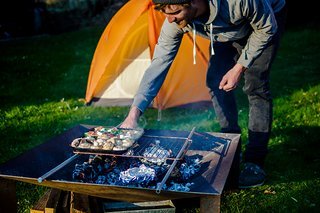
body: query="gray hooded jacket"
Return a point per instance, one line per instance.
(229, 20)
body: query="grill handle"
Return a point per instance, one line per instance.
(181, 152)
(55, 169)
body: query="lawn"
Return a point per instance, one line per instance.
(44, 82)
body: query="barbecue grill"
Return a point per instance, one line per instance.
(51, 164)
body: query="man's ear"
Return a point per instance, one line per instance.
(195, 3)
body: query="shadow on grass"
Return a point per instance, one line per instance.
(295, 156)
(293, 176)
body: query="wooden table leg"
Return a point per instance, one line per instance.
(8, 198)
(210, 204)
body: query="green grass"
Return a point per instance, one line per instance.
(44, 81)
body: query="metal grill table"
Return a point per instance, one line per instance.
(216, 151)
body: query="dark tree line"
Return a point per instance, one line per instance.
(30, 17)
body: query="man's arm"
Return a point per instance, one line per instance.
(231, 79)
(264, 26)
(165, 52)
(131, 121)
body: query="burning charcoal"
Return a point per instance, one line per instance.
(107, 166)
(84, 172)
(164, 186)
(160, 170)
(81, 172)
(188, 169)
(101, 179)
(89, 171)
(78, 173)
(130, 163)
(94, 159)
(180, 187)
(99, 168)
(176, 174)
(141, 175)
(113, 178)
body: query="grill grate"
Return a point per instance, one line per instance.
(156, 145)
(215, 151)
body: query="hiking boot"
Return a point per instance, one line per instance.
(251, 176)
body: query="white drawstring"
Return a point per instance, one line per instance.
(211, 39)
(194, 43)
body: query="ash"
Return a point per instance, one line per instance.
(189, 169)
(182, 187)
(134, 172)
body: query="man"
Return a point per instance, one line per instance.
(244, 37)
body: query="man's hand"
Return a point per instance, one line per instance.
(131, 120)
(231, 79)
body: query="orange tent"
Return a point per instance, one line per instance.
(124, 52)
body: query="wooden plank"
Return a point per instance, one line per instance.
(40, 206)
(64, 202)
(128, 194)
(52, 204)
(186, 204)
(210, 204)
(96, 205)
(79, 203)
(8, 198)
(153, 206)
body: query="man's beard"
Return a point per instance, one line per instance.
(182, 23)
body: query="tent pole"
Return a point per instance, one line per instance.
(159, 114)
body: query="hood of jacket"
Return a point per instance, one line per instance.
(214, 7)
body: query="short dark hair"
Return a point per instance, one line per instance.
(171, 1)
(160, 6)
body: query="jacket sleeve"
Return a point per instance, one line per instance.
(165, 51)
(264, 25)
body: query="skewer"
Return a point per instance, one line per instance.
(55, 169)
(185, 145)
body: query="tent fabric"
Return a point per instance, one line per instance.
(125, 51)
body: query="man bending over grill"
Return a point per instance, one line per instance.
(244, 38)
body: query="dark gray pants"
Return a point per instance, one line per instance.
(256, 87)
